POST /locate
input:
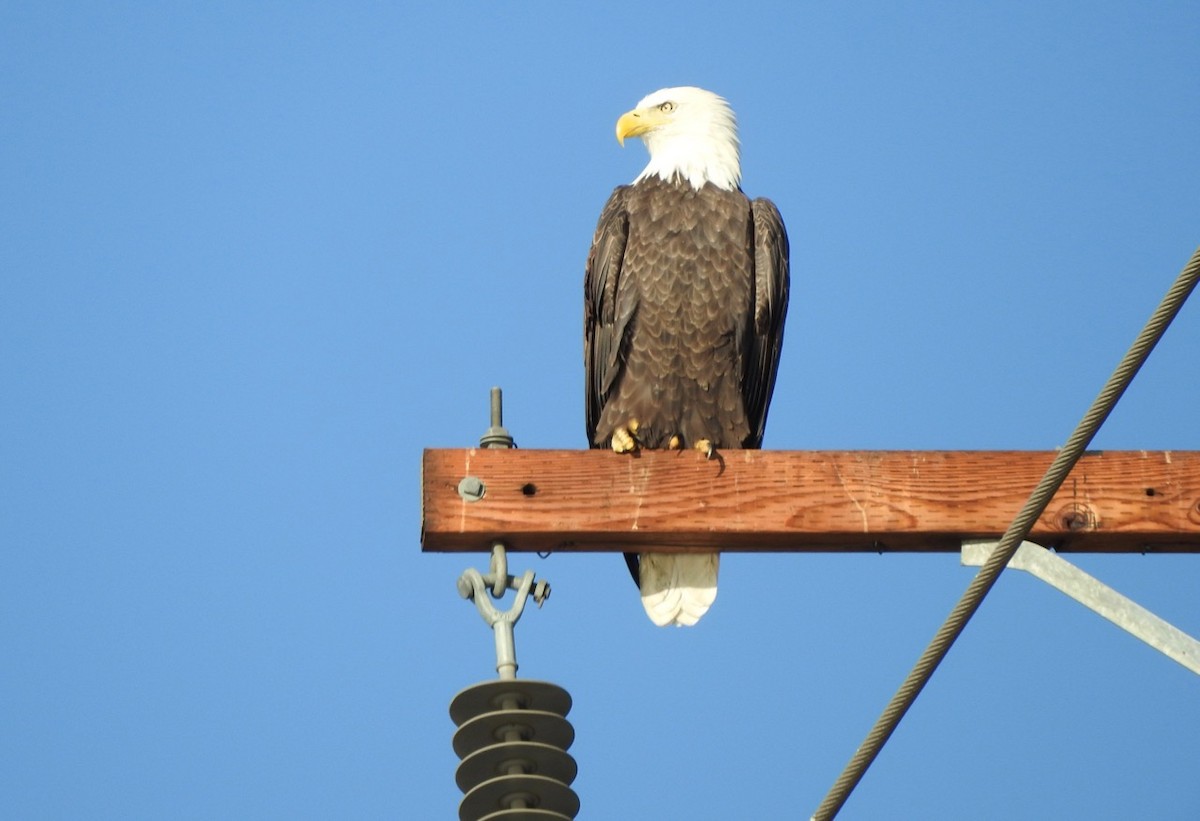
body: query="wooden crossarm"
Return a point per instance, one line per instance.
(805, 501)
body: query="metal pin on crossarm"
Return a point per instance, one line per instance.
(497, 435)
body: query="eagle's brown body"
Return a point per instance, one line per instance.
(685, 298)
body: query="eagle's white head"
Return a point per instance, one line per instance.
(691, 135)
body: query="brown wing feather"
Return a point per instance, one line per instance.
(603, 329)
(771, 283)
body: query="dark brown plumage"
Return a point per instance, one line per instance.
(685, 298)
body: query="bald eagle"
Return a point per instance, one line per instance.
(685, 296)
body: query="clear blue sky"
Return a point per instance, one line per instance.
(255, 257)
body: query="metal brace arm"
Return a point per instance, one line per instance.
(1095, 595)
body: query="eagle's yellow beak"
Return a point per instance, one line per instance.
(637, 122)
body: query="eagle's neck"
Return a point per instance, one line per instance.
(708, 154)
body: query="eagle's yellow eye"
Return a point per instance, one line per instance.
(667, 107)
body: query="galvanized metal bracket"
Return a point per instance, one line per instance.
(479, 586)
(1095, 595)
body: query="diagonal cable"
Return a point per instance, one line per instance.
(1016, 533)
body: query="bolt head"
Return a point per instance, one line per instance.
(471, 488)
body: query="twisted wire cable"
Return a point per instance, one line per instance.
(1016, 533)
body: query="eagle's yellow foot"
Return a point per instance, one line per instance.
(624, 440)
(705, 446)
(675, 443)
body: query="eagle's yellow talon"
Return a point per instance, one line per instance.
(705, 446)
(623, 439)
(675, 444)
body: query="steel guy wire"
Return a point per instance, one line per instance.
(1016, 533)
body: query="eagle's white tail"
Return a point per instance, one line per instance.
(678, 588)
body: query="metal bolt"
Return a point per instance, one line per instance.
(497, 435)
(471, 488)
(464, 587)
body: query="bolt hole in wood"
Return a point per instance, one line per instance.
(1150, 491)
(529, 488)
